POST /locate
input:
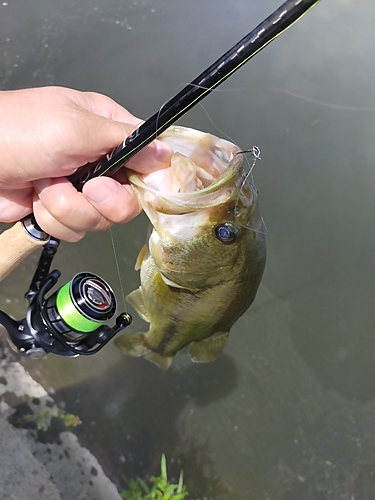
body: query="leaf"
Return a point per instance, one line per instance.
(180, 482)
(143, 484)
(160, 489)
(164, 467)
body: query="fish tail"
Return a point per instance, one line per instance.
(136, 345)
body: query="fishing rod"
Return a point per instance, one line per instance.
(71, 321)
(204, 84)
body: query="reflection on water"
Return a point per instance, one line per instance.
(287, 412)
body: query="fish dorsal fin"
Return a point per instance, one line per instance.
(135, 298)
(141, 257)
(208, 349)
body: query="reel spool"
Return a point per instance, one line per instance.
(80, 306)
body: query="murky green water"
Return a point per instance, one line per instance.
(287, 413)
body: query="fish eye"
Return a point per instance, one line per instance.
(226, 233)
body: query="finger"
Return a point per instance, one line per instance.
(154, 156)
(15, 204)
(53, 227)
(102, 105)
(114, 201)
(102, 135)
(57, 200)
(89, 126)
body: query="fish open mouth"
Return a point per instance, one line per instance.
(199, 160)
(202, 173)
(205, 172)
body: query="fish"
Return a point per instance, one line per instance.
(204, 258)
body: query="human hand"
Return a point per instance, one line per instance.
(46, 134)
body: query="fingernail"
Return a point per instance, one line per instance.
(99, 195)
(163, 152)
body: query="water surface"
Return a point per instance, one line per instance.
(288, 411)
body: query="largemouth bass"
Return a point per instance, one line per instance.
(204, 259)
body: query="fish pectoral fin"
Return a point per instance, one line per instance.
(141, 257)
(135, 298)
(136, 345)
(206, 350)
(169, 282)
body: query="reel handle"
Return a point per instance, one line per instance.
(17, 243)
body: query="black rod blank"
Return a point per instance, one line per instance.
(189, 96)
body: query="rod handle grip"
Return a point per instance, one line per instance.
(15, 245)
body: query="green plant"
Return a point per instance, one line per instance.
(42, 418)
(160, 488)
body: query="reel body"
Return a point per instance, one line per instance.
(71, 321)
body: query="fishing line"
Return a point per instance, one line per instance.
(221, 132)
(118, 268)
(255, 154)
(238, 89)
(255, 151)
(248, 181)
(214, 125)
(340, 107)
(203, 108)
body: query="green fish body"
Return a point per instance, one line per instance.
(204, 259)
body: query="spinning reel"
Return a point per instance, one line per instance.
(70, 322)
